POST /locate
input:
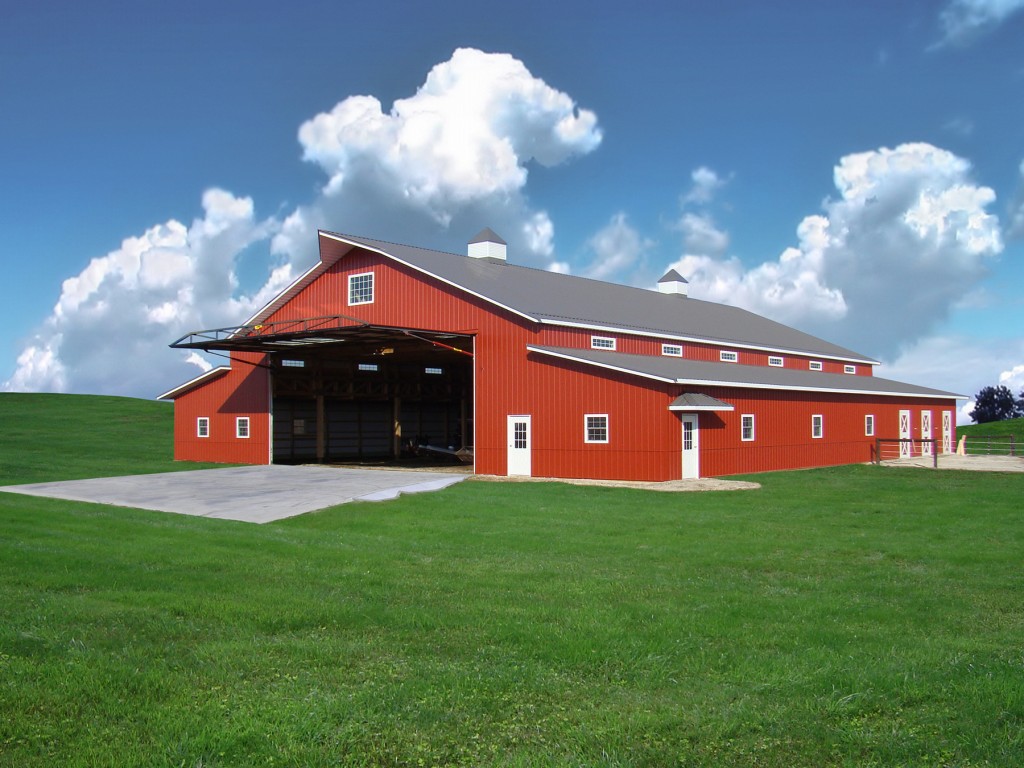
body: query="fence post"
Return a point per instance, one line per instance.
(1013, 446)
(935, 453)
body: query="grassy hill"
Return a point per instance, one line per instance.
(858, 616)
(1007, 427)
(65, 437)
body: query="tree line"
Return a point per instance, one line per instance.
(996, 404)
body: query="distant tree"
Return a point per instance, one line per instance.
(995, 404)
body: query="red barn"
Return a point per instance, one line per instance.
(382, 348)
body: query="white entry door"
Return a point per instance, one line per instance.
(906, 449)
(926, 432)
(519, 445)
(691, 446)
(947, 431)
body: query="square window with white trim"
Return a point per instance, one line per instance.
(849, 369)
(817, 426)
(602, 342)
(728, 357)
(776, 362)
(869, 425)
(595, 428)
(747, 427)
(671, 350)
(360, 288)
(815, 365)
(203, 426)
(242, 427)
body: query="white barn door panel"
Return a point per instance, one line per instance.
(947, 431)
(926, 432)
(906, 449)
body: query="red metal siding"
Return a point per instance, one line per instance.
(644, 436)
(243, 391)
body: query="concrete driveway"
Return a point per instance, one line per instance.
(250, 494)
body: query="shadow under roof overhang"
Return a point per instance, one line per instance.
(314, 333)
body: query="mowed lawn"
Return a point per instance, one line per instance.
(855, 616)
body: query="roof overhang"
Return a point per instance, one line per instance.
(691, 402)
(306, 334)
(214, 373)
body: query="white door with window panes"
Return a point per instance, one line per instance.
(691, 446)
(906, 449)
(519, 445)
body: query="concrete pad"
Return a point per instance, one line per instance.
(250, 494)
(970, 463)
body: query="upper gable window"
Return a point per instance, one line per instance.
(360, 288)
(776, 362)
(728, 357)
(849, 369)
(815, 365)
(671, 350)
(602, 342)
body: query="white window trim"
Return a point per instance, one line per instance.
(727, 356)
(586, 430)
(239, 420)
(815, 365)
(367, 367)
(602, 342)
(666, 347)
(850, 369)
(373, 288)
(753, 428)
(776, 362)
(817, 425)
(200, 422)
(869, 425)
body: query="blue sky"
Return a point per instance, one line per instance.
(853, 169)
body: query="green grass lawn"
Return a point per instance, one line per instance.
(859, 616)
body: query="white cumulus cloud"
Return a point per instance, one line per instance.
(450, 158)
(109, 330)
(617, 247)
(964, 21)
(908, 236)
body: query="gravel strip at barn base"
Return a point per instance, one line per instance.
(672, 486)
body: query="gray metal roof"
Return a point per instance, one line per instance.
(549, 297)
(696, 401)
(700, 373)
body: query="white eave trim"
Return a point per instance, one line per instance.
(620, 369)
(192, 383)
(706, 340)
(701, 408)
(740, 384)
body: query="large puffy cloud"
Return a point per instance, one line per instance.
(908, 236)
(446, 161)
(617, 247)
(964, 21)
(109, 329)
(437, 167)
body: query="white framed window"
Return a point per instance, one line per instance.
(671, 350)
(595, 428)
(602, 342)
(869, 425)
(776, 362)
(242, 427)
(293, 363)
(203, 426)
(728, 357)
(433, 371)
(747, 427)
(817, 426)
(360, 288)
(815, 365)
(369, 367)
(849, 369)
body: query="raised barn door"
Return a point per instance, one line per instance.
(926, 432)
(691, 446)
(519, 445)
(906, 449)
(947, 431)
